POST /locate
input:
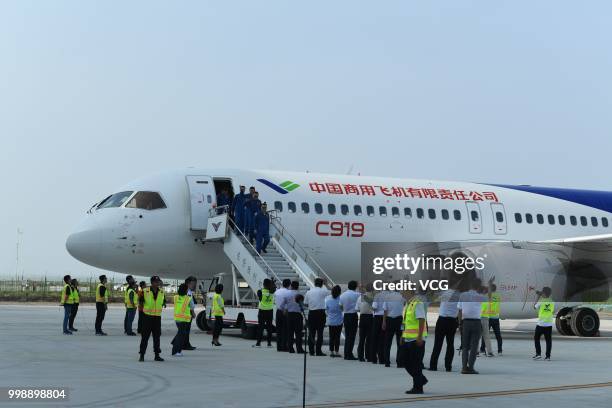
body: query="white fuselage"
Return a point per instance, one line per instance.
(161, 241)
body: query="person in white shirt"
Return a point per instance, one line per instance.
(281, 316)
(470, 308)
(378, 334)
(315, 299)
(546, 308)
(393, 308)
(366, 318)
(446, 326)
(348, 303)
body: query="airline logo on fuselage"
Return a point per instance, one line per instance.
(283, 188)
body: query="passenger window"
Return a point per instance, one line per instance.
(432, 213)
(529, 218)
(594, 221)
(540, 218)
(115, 200)
(420, 213)
(474, 215)
(370, 211)
(445, 215)
(583, 221)
(573, 220)
(319, 208)
(146, 200)
(291, 207)
(604, 222)
(518, 218)
(278, 206)
(344, 209)
(331, 209)
(305, 208)
(561, 220)
(408, 212)
(395, 211)
(382, 211)
(499, 216)
(357, 209)
(551, 219)
(457, 215)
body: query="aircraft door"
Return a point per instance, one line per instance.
(499, 218)
(474, 217)
(201, 199)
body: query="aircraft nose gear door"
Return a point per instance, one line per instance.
(201, 198)
(474, 217)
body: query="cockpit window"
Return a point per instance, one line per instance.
(115, 200)
(146, 200)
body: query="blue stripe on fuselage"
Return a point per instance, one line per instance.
(273, 186)
(601, 200)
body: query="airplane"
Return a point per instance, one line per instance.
(157, 225)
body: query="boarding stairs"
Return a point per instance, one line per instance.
(285, 257)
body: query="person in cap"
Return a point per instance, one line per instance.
(546, 309)
(101, 304)
(66, 301)
(237, 209)
(182, 319)
(153, 301)
(76, 298)
(142, 285)
(131, 301)
(265, 311)
(262, 222)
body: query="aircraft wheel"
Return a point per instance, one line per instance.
(585, 322)
(201, 321)
(563, 323)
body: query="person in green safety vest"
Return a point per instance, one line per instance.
(131, 304)
(76, 298)
(546, 310)
(101, 304)
(266, 311)
(66, 300)
(182, 319)
(414, 333)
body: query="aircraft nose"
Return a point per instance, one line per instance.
(84, 245)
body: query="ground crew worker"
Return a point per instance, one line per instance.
(141, 287)
(546, 309)
(153, 301)
(76, 298)
(101, 304)
(218, 311)
(266, 311)
(491, 308)
(414, 333)
(191, 283)
(237, 209)
(66, 300)
(130, 300)
(182, 318)
(485, 312)
(262, 223)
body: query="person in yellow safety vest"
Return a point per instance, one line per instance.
(153, 301)
(492, 312)
(414, 333)
(66, 300)
(218, 311)
(76, 298)
(182, 318)
(546, 309)
(266, 311)
(101, 304)
(485, 314)
(131, 301)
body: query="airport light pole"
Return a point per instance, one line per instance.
(19, 233)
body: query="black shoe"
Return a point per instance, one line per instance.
(415, 391)
(131, 334)
(387, 365)
(320, 354)
(469, 372)
(311, 354)
(141, 357)
(68, 332)
(158, 358)
(189, 348)
(300, 351)
(72, 329)
(292, 351)
(433, 369)
(264, 251)
(449, 369)
(256, 345)
(350, 358)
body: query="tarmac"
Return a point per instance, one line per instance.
(104, 372)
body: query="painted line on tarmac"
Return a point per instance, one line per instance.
(457, 396)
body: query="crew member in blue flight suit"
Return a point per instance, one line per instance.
(237, 209)
(248, 220)
(223, 200)
(254, 206)
(262, 222)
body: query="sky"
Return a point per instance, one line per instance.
(94, 94)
